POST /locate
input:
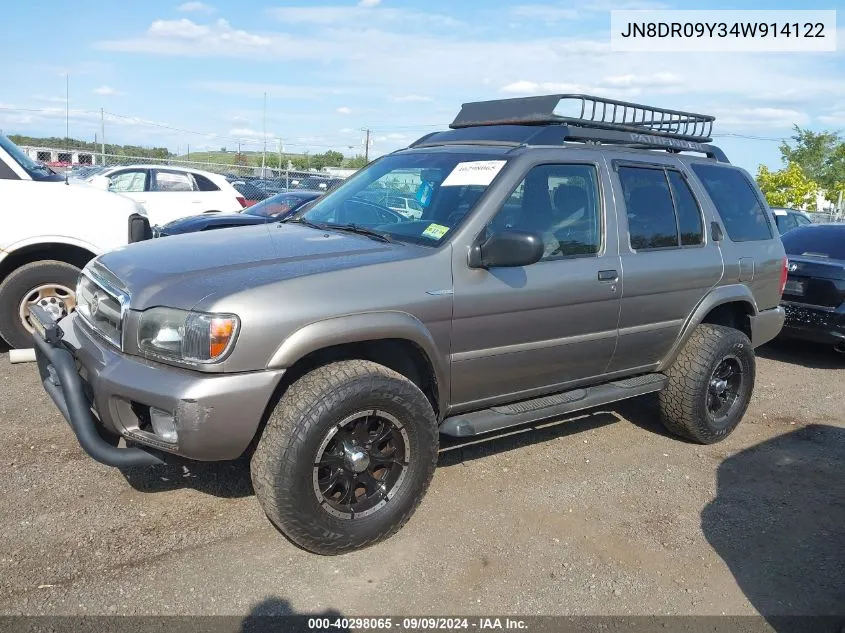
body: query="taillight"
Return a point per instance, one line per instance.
(242, 201)
(784, 273)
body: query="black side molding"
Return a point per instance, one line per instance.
(547, 407)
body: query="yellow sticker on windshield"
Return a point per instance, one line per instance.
(435, 231)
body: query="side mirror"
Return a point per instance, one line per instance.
(99, 182)
(507, 248)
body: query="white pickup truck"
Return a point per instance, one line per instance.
(48, 231)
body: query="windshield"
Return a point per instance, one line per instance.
(816, 241)
(279, 206)
(441, 188)
(36, 170)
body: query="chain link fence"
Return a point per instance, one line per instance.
(254, 182)
(824, 218)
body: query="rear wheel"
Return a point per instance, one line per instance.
(48, 284)
(710, 385)
(346, 456)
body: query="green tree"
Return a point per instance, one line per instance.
(356, 162)
(787, 187)
(821, 156)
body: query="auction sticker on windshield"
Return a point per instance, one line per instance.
(435, 231)
(476, 172)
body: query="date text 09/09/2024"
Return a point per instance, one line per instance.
(417, 624)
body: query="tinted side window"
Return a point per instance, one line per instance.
(559, 203)
(735, 200)
(204, 184)
(800, 220)
(689, 215)
(651, 215)
(173, 181)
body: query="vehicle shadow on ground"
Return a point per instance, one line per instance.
(811, 355)
(276, 615)
(4, 347)
(778, 522)
(457, 450)
(227, 480)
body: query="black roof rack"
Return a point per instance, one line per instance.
(535, 121)
(587, 111)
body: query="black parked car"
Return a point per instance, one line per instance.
(273, 209)
(814, 296)
(788, 219)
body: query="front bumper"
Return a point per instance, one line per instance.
(814, 324)
(103, 395)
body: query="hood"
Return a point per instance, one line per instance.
(182, 270)
(210, 221)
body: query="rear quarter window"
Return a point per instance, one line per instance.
(736, 201)
(204, 184)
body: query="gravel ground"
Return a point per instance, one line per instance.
(597, 514)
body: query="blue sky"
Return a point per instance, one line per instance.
(195, 73)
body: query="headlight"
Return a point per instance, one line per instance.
(194, 337)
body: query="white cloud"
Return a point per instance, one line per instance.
(179, 37)
(107, 91)
(758, 118)
(411, 99)
(369, 3)
(249, 89)
(528, 87)
(195, 7)
(835, 117)
(361, 14)
(50, 99)
(545, 12)
(248, 133)
(344, 110)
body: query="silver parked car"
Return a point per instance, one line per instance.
(558, 264)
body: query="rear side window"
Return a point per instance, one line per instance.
(204, 184)
(736, 201)
(689, 215)
(173, 181)
(662, 211)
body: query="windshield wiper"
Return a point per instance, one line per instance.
(304, 222)
(360, 230)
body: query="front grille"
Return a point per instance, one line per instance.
(100, 308)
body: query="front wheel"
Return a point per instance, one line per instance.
(710, 384)
(346, 456)
(48, 284)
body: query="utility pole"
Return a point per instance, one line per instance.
(189, 151)
(280, 156)
(102, 137)
(264, 155)
(367, 146)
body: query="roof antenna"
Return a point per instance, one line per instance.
(67, 123)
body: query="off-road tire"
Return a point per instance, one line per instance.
(284, 458)
(18, 284)
(683, 403)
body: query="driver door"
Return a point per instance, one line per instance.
(519, 332)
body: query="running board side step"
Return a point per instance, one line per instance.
(546, 407)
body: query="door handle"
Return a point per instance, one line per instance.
(608, 275)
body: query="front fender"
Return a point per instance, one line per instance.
(718, 296)
(355, 328)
